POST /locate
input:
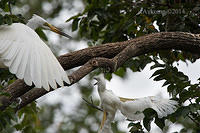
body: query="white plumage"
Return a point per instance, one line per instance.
(28, 57)
(109, 103)
(133, 109)
(130, 108)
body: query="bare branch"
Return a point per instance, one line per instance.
(159, 41)
(112, 56)
(92, 105)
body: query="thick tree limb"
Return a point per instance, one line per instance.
(14, 90)
(78, 58)
(74, 77)
(114, 55)
(159, 41)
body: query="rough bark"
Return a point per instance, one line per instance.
(111, 56)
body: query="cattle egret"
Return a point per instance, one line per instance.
(28, 57)
(130, 108)
(109, 103)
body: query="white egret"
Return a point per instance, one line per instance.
(130, 108)
(109, 103)
(28, 57)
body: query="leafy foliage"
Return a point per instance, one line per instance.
(105, 21)
(111, 21)
(5, 5)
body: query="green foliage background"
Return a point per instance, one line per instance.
(104, 21)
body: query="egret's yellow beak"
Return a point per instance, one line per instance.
(56, 30)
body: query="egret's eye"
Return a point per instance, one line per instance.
(96, 83)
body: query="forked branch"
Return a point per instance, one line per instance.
(111, 55)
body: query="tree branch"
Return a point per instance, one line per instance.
(159, 41)
(74, 77)
(92, 105)
(113, 55)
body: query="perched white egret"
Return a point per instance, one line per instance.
(28, 57)
(130, 108)
(109, 103)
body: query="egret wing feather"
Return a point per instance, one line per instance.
(58, 72)
(45, 69)
(11, 52)
(29, 57)
(16, 62)
(36, 63)
(5, 48)
(23, 64)
(51, 76)
(133, 109)
(27, 75)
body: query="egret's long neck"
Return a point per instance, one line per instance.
(101, 86)
(32, 24)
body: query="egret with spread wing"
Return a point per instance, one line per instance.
(130, 108)
(28, 57)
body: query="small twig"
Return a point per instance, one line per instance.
(92, 105)
(197, 123)
(9, 6)
(191, 117)
(91, 100)
(192, 103)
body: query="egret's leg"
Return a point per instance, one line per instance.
(103, 120)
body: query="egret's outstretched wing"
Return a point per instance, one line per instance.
(27, 56)
(133, 109)
(163, 107)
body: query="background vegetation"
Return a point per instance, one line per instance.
(103, 21)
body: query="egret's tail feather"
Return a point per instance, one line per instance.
(163, 107)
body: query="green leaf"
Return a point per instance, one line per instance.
(158, 78)
(147, 123)
(158, 72)
(8, 19)
(74, 17)
(41, 34)
(18, 127)
(197, 100)
(160, 122)
(149, 114)
(135, 127)
(1, 19)
(131, 124)
(108, 76)
(165, 83)
(5, 94)
(157, 65)
(75, 24)
(121, 72)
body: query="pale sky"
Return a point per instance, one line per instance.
(134, 85)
